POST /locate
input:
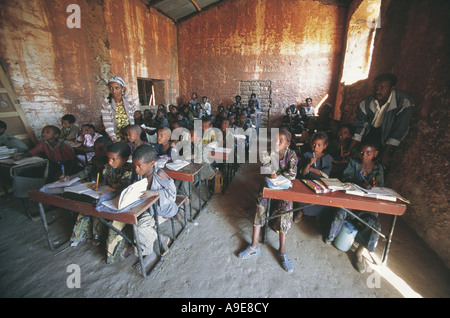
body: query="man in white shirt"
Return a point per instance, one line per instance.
(206, 106)
(383, 117)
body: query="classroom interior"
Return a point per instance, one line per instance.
(284, 51)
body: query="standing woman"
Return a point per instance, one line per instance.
(117, 110)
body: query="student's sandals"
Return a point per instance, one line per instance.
(249, 252)
(286, 263)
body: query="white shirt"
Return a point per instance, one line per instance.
(207, 108)
(379, 115)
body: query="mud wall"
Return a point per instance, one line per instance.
(413, 44)
(296, 45)
(56, 70)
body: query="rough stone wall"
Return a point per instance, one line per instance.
(56, 70)
(296, 45)
(413, 44)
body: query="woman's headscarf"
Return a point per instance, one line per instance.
(120, 81)
(116, 79)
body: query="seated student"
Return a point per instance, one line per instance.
(309, 108)
(227, 133)
(183, 133)
(367, 173)
(232, 119)
(134, 133)
(70, 130)
(324, 118)
(172, 116)
(96, 164)
(163, 147)
(159, 183)
(288, 168)
(187, 113)
(10, 141)
(307, 132)
(340, 143)
(206, 106)
(243, 122)
(87, 137)
(315, 165)
(221, 115)
(208, 133)
(118, 174)
(160, 119)
(300, 121)
(254, 114)
(288, 119)
(138, 117)
(59, 153)
(197, 111)
(182, 117)
(86, 227)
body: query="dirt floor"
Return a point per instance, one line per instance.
(204, 264)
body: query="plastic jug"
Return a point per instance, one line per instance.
(346, 236)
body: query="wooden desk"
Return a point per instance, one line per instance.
(130, 217)
(299, 192)
(188, 173)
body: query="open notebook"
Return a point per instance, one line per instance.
(84, 188)
(128, 196)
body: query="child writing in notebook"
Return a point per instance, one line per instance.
(367, 173)
(118, 174)
(83, 224)
(288, 168)
(159, 183)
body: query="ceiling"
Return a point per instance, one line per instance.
(179, 10)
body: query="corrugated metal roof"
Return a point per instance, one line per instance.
(179, 10)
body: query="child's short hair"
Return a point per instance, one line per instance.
(55, 129)
(89, 125)
(3, 125)
(370, 143)
(320, 135)
(69, 118)
(287, 134)
(120, 148)
(181, 124)
(145, 153)
(135, 128)
(207, 119)
(103, 141)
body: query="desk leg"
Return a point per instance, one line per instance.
(199, 196)
(266, 225)
(190, 200)
(44, 222)
(138, 246)
(388, 240)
